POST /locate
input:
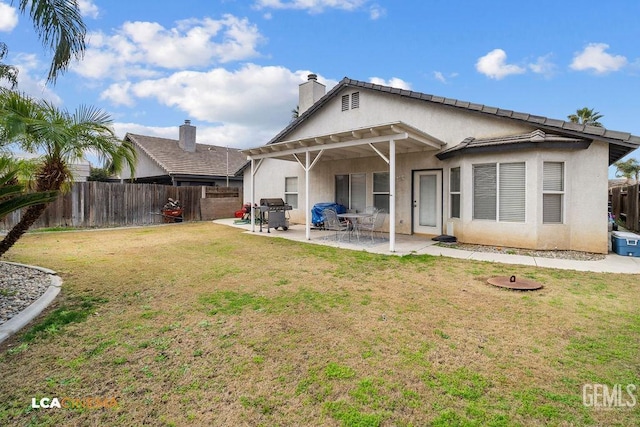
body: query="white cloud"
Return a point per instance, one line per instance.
(393, 82)
(8, 17)
(133, 49)
(376, 12)
(254, 103)
(494, 65)
(119, 94)
(88, 8)
(544, 66)
(312, 6)
(594, 57)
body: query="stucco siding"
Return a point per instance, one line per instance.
(447, 124)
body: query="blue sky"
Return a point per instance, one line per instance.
(233, 67)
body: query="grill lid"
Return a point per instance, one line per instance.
(272, 202)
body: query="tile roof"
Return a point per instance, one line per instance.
(207, 160)
(621, 143)
(535, 139)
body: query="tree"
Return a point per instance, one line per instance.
(7, 72)
(62, 138)
(60, 28)
(12, 194)
(630, 168)
(586, 116)
(98, 174)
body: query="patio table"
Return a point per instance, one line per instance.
(354, 219)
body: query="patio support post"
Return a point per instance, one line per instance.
(392, 195)
(306, 196)
(253, 195)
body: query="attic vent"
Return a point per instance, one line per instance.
(355, 100)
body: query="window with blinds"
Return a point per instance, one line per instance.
(552, 192)
(484, 191)
(499, 191)
(512, 192)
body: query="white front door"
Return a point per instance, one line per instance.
(427, 202)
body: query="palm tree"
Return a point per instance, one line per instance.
(12, 193)
(61, 138)
(586, 116)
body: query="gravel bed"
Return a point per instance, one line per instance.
(20, 287)
(576, 255)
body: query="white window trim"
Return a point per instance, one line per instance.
(373, 185)
(561, 193)
(287, 193)
(459, 193)
(497, 219)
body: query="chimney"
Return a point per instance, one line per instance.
(310, 92)
(187, 139)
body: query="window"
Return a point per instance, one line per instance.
(291, 191)
(454, 192)
(512, 192)
(355, 100)
(552, 192)
(345, 102)
(499, 191)
(381, 190)
(484, 191)
(351, 191)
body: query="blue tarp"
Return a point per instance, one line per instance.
(316, 212)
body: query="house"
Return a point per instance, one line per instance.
(185, 162)
(442, 166)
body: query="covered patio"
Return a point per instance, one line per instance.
(383, 140)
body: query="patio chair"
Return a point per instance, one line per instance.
(333, 223)
(376, 223)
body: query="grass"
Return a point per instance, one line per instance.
(203, 325)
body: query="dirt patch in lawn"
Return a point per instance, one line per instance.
(202, 324)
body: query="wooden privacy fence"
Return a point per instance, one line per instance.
(105, 204)
(625, 205)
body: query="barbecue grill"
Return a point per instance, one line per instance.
(275, 210)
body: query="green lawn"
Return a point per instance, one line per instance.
(201, 324)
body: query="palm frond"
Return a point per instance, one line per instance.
(59, 25)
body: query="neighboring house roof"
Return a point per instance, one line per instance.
(207, 160)
(620, 143)
(535, 139)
